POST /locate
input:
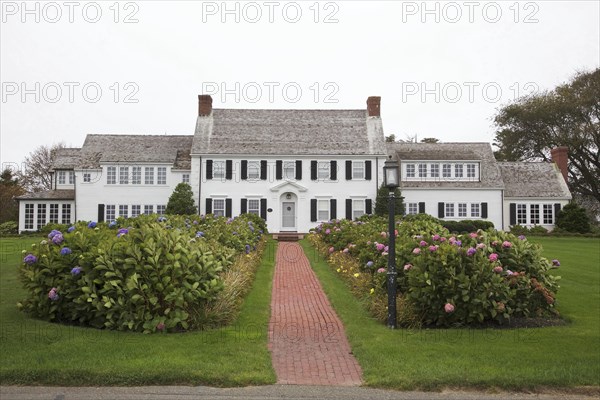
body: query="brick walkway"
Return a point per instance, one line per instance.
(307, 339)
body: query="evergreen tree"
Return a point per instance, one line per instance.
(382, 202)
(573, 218)
(181, 201)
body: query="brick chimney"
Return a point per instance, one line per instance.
(204, 105)
(374, 106)
(560, 155)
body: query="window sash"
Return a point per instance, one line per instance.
(458, 170)
(87, 177)
(218, 207)
(521, 214)
(41, 215)
(185, 178)
(462, 210)
(253, 170)
(111, 175)
(413, 208)
(548, 214)
(136, 175)
(358, 208)
(123, 175)
(449, 210)
(110, 213)
(160, 209)
(534, 214)
(54, 213)
(149, 175)
(323, 170)
(218, 170)
(422, 170)
(29, 210)
(475, 210)
(135, 210)
(66, 213)
(148, 209)
(62, 177)
(358, 170)
(471, 171)
(410, 170)
(289, 170)
(435, 170)
(254, 206)
(161, 176)
(323, 210)
(447, 170)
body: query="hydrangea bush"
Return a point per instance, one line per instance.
(142, 274)
(443, 279)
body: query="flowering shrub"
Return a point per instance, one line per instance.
(143, 274)
(444, 279)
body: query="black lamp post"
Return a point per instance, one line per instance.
(391, 180)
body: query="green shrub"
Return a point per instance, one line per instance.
(181, 201)
(9, 228)
(573, 218)
(466, 226)
(382, 204)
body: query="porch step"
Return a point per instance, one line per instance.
(288, 236)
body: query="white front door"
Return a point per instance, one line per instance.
(288, 216)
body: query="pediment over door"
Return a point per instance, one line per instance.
(288, 186)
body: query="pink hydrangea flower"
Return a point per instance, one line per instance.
(493, 257)
(436, 237)
(160, 326)
(473, 235)
(331, 250)
(407, 267)
(495, 243)
(345, 250)
(381, 270)
(498, 269)
(452, 240)
(449, 308)
(433, 248)
(422, 243)
(395, 232)
(383, 234)
(380, 246)
(506, 244)
(443, 239)
(480, 246)
(327, 231)
(416, 250)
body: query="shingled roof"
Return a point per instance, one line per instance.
(60, 194)
(490, 176)
(288, 132)
(172, 149)
(533, 179)
(66, 158)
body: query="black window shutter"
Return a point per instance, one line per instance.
(348, 170)
(279, 170)
(368, 206)
(244, 169)
(298, 170)
(100, 212)
(263, 209)
(244, 206)
(512, 213)
(228, 208)
(441, 210)
(209, 206)
(368, 170)
(484, 210)
(557, 208)
(313, 210)
(333, 171)
(263, 170)
(209, 169)
(229, 169)
(332, 209)
(349, 209)
(313, 170)
(422, 207)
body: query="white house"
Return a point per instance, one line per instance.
(294, 168)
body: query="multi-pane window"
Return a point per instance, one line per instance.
(160, 209)
(410, 170)
(109, 213)
(253, 170)
(41, 215)
(54, 213)
(123, 210)
(289, 170)
(161, 175)
(254, 206)
(136, 210)
(28, 216)
(111, 175)
(446, 170)
(534, 213)
(185, 178)
(71, 177)
(435, 170)
(136, 175)
(449, 210)
(422, 170)
(149, 175)
(218, 207)
(462, 210)
(521, 214)
(148, 209)
(358, 170)
(323, 210)
(219, 170)
(123, 175)
(66, 214)
(471, 170)
(475, 210)
(87, 177)
(358, 208)
(62, 177)
(458, 170)
(323, 170)
(412, 208)
(548, 214)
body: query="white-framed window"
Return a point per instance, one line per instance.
(435, 170)
(471, 170)
(87, 177)
(148, 209)
(149, 175)
(449, 210)
(54, 213)
(254, 206)
(123, 175)
(358, 208)
(534, 214)
(136, 175)
(422, 170)
(71, 177)
(136, 210)
(218, 169)
(253, 170)
(323, 209)
(358, 170)
(323, 170)
(475, 210)
(412, 208)
(548, 214)
(462, 210)
(41, 215)
(218, 208)
(111, 175)
(62, 177)
(289, 170)
(66, 214)
(160, 209)
(447, 170)
(110, 213)
(185, 178)
(29, 210)
(161, 175)
(458, 170)
(123, 210)
(521, 214)
(410, 170)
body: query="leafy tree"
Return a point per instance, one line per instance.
(573, 218)
(181, 201)
(36, 177)
(382, 202)
(430, 140)
(390, 139)
(568, 116)
(9, 189)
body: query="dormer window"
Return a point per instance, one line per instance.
(62, 177)
(422, 170)
(430, 171)
(471, 171)
(410, 170)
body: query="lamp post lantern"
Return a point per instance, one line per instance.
(391, 180)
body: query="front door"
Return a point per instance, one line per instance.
(288, 216)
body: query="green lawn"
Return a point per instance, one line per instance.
(37, 352)
(517, 359)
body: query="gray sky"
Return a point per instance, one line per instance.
(442, 68)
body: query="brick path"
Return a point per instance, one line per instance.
(307, 339)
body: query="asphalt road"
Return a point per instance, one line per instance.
(280, 392)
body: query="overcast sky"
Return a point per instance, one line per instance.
(69, 69)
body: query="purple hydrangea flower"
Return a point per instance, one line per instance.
(30, 259)
(58, 239)
(71, 229)
(247, 249)
(369, 264)
(327, 231)
(52, 295)
(92, 225)
(76, 271)
(53, 233)
(555, 263)
(65, 251)
(522, 237)
(122, 231)
(471, 251)
(199, 234)
(112, 224)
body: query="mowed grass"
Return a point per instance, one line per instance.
(565, 356)
(34, 352)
